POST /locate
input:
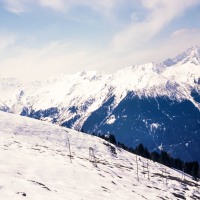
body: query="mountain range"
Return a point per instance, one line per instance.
(157, 104)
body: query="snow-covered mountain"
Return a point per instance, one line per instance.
(191, 55)
(35, 164)
(156, 104)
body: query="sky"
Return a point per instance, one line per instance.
(46, 38)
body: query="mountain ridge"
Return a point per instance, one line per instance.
(192, 54)
(92, 101)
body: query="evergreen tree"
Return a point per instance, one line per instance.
(146, 153)
(195, 169)
(112, 139)
(178, 164)
(155, 156)
(140, 149)
(165, 158)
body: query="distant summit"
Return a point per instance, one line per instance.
(191, 55)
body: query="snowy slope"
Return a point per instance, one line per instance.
(35, 164)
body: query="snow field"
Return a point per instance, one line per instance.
(35, 164)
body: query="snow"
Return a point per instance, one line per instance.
(160, 147)
(192, 55)
(111, 119)
(35, 162)
(154, 126)
(87, 91)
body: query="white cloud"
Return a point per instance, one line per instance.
(135, 44)
(179, 41)
(6, 40)
(184, 38)
(16, 6)
(184, 32)
(54, 4)
(63, 57)
(52, 59)
(55, 58)
(103, 7)
(160, 14)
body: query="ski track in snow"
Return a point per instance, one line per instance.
(35, 164)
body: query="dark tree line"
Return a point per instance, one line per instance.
(191, 168)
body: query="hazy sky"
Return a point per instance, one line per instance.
(42, 38)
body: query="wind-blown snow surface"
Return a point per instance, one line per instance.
(35, 164)
(152, 104)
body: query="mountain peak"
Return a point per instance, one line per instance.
(191, 55)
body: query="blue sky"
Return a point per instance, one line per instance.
(42, 38)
